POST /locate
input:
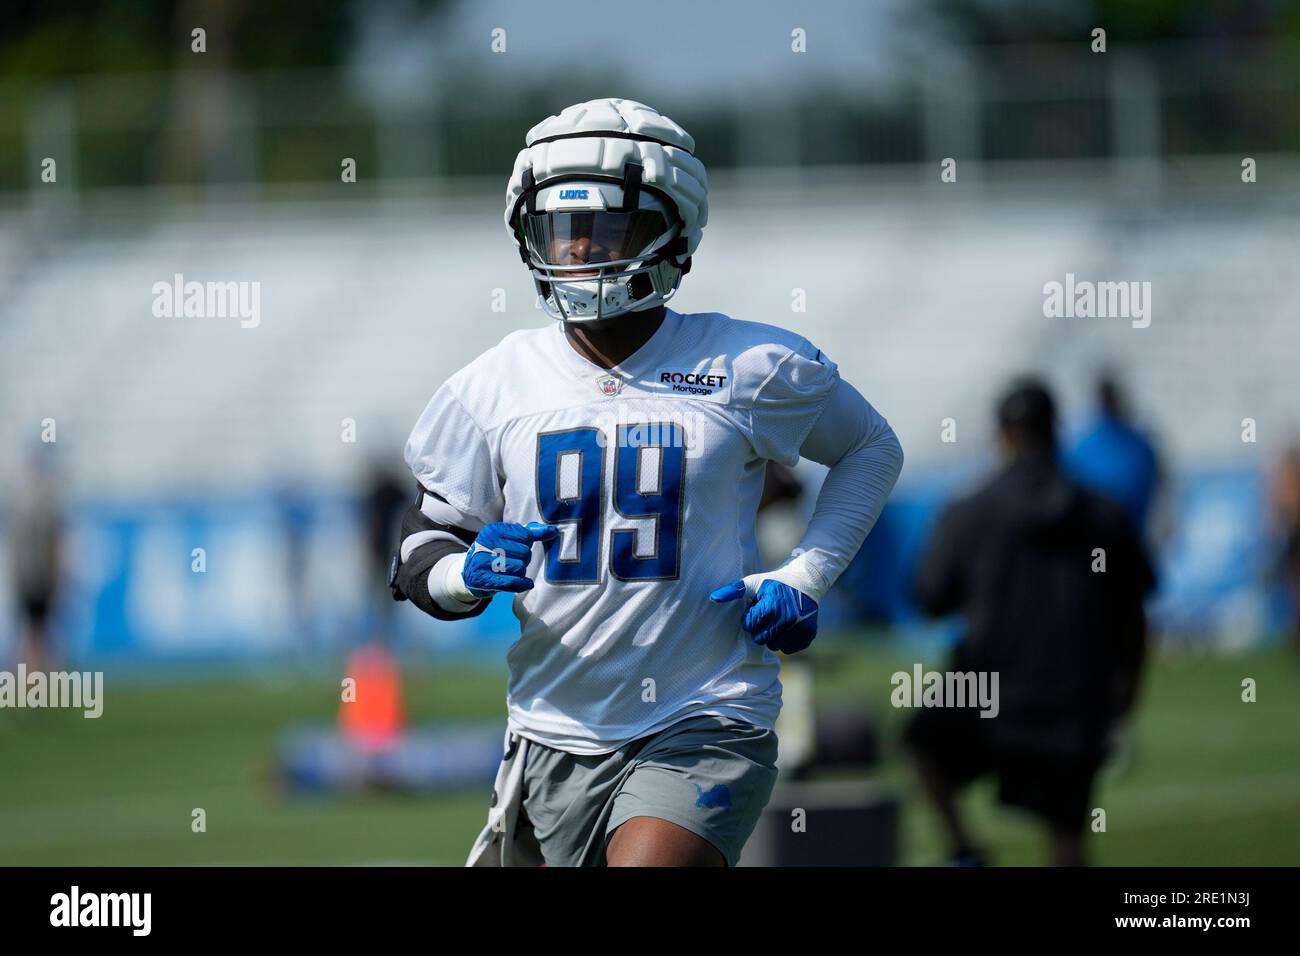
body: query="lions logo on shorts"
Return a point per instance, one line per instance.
(718, 797)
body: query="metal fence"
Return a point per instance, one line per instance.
(1045, 103)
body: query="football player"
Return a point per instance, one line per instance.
(603, 473)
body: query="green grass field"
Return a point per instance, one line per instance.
(1208, 779)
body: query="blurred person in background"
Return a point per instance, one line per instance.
(780, 484)
(35, 540)
(1114, 458)
(384, 498)
(1286, 515)
(295, 523)
(1018, 560)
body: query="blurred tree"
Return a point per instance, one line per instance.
(1025, 21)
(43, 40)
(46, 38)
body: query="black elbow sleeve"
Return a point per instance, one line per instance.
(409, 579)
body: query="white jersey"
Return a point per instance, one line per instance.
(653, 473)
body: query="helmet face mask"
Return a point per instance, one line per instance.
(592, 260)
(606, 204)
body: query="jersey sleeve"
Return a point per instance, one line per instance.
(449, 455)
(789, 399)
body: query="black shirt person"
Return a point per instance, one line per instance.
(1049, 579)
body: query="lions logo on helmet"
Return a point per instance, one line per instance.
(607, 204)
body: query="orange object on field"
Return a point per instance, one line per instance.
(374, 717)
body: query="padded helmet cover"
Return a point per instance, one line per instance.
(599, 138)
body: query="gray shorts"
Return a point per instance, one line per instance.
(711, 775)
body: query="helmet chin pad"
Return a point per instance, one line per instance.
(588, 300)
(608, 294)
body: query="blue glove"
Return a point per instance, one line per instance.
(778, 616)
(498, 559)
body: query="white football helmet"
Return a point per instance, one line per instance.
(607, 204)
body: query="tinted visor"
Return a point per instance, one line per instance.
(579, 238)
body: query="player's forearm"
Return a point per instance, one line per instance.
(447, 586)
(430, 580)
(865, 459)
(851, 499)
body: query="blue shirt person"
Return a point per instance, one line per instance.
(1115, 459)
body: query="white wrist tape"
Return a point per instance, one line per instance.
(799, 572)
(447, 584)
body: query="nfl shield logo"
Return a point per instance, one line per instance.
(609, 385)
